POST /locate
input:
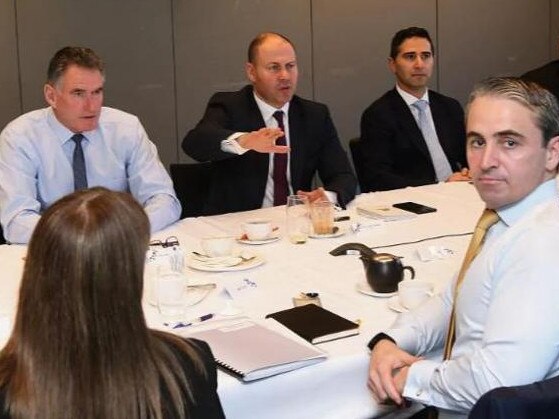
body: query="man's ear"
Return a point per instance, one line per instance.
(391, 65)
(552, 158)
(250, 70)
(50, 95)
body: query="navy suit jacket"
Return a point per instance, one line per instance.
(539, 400)
(394, 152)
(239, 181)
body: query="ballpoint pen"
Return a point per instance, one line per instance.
(177, 325)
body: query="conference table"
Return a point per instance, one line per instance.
(433, 244)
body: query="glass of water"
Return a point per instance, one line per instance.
(298, 220)
(170, 288)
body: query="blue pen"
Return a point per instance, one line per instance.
(197, 320)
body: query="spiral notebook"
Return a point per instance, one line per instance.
(252, 351)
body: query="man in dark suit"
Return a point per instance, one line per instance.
(546, 76)
(265, 143)
(411, 135)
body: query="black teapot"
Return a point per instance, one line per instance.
(383, 270)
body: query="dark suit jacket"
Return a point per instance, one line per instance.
(394, 152)
(239, 181)
(546, 76)
(539, 400)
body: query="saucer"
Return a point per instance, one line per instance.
(394, 304)
(270, 239)
(240, 265)
(364, 288)
(337, 233)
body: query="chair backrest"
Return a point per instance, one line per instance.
(358, 163)
(192, 184)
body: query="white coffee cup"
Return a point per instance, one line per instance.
(218, 246)
(413, 292)
(257, 229)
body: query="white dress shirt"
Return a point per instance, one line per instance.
(506, 311)
(36, 168)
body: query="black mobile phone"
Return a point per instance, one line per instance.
(414, 207)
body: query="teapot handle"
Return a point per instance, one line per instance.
(411, 270)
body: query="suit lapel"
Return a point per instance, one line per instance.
(296, 142)
(409, 125)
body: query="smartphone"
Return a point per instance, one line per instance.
(414, 207)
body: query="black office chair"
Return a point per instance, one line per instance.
(192, 184)
(358, 163)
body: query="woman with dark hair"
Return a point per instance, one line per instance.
(80, 347)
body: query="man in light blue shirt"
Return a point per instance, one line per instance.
(507, 302)
(39, 155)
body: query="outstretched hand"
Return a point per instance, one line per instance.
(263, 141)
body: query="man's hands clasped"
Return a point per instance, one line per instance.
(388, 371)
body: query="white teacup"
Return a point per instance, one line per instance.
(218, 246)
(413, 292)
(257, 229)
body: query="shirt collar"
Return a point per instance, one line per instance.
(546, 191)
(267, 110)
(62, 133)
(411, 99)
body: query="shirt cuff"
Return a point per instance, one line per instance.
(332, 196)
(230, 144)
(419, 380)
(377, 338)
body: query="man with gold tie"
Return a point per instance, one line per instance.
(495, 320)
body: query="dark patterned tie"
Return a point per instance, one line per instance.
(280, 167)
(78, 164)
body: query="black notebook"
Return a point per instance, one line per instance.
(315, 324)
(252, 351)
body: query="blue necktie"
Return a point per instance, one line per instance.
(280, 167)
(78, 164)
(440, 162)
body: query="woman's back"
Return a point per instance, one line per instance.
(80, 346)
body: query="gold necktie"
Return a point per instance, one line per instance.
(487, 219)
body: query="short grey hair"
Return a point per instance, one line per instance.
(528, 94)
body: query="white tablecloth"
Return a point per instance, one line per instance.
(335, 388)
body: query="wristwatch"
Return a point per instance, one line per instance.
(377, 338)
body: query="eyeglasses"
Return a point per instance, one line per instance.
(168, 242)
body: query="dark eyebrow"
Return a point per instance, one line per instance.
(509, 133)
(499, 134)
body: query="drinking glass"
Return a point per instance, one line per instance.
(298, 221)
(170, 288)
(322, 217)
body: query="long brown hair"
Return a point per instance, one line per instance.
(80, 346)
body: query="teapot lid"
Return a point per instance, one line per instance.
(385, 257)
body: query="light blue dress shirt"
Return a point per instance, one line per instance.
(36, 168)
(506, 312)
